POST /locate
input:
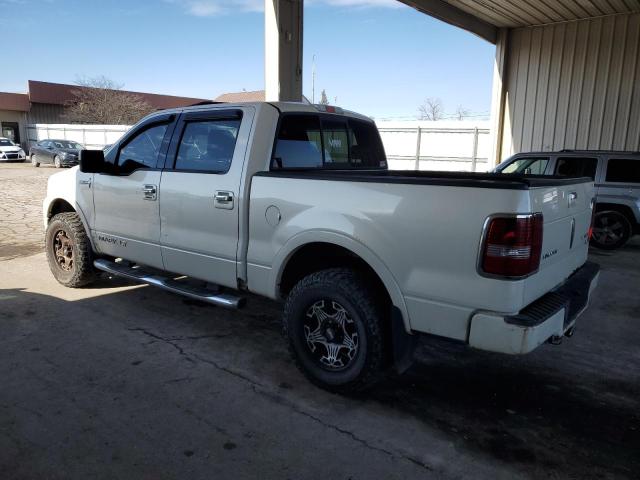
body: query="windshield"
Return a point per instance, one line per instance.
(6, 143)
(524, 166)
(67, 144)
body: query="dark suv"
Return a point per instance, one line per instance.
(617, 181)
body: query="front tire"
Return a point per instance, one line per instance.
(34, 160)
(611, 230)
(69, 251)
(57, 162)
(334, 326)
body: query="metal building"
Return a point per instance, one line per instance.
(567, 72)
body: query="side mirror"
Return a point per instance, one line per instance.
(91, 161)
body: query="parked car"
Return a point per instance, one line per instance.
(61, 153)
(617, 186)
(295, 202)
(10, 152)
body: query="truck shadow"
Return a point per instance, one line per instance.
(554, 416)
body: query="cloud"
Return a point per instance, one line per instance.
(212, 8)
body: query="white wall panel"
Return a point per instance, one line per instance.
(574, 85)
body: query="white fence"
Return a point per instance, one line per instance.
(442, 145)
(91, 136)
(410, 145)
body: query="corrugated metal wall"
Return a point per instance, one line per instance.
(574, 85)
(46, 113)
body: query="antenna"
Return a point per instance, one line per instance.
(313, 79)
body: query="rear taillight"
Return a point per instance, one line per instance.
(512, 245)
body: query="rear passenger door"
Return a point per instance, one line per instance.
(199, 205)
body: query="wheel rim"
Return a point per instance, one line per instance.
(63, 250)
(33, 159)
(608, 230)
(331, 335)
(57, 162)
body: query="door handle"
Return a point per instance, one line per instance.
(85, 182)
(150, 192)
(223, 199)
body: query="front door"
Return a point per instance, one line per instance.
(199, 204)
(126, 196)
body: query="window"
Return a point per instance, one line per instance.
(527, 166)
(365, 146)
(207, 146)
(577, 167)
(142, 150)
(298, 144)
(339, 143)
(336, 143)
(623, 170)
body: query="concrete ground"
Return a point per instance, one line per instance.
(126, 381)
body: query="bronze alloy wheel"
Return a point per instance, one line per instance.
(63, 249)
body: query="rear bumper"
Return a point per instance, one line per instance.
(550, 316)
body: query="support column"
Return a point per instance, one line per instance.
(499, 96)
(283, 50)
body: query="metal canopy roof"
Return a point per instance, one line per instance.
(484, 17)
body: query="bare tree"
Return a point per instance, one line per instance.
(323, 98)
(431, 109)
(99, 100)
(461, 112)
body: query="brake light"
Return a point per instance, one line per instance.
(512, 245)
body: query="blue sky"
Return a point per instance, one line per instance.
(377, 57)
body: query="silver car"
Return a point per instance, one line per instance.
(617, 181)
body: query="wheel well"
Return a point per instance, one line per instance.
(59, 206)
(623, 209)
(319, 256)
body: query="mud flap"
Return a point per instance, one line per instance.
(404, 344)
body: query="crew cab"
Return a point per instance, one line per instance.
(295, 202)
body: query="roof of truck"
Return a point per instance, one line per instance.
(281, 106)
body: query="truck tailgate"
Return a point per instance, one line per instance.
(567, 218)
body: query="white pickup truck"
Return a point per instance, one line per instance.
(295, 202)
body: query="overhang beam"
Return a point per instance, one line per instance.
(454, 16)
(283, 50)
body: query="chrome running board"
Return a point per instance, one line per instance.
(197, 293)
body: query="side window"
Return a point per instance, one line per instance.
(623, 170)
(577, 167)
(527, 166)
(298, 144)
(207, 145)
(142, 150)
(336, 143)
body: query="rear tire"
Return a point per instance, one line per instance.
(335, 330)
(34, 160)
(69, 250)
(611, 230)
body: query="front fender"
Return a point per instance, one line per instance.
(357, 248)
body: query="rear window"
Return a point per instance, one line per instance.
(577, 167)
(314, 141)
(623, 170)
(527, 166)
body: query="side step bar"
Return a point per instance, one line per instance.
(220, 299)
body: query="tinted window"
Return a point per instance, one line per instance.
(346, 143)
(336, 143)
(365, 146)
(141, 151)
(527, 166)
(623, 170)
(208, 145)
(298, 144)
(576, 167)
